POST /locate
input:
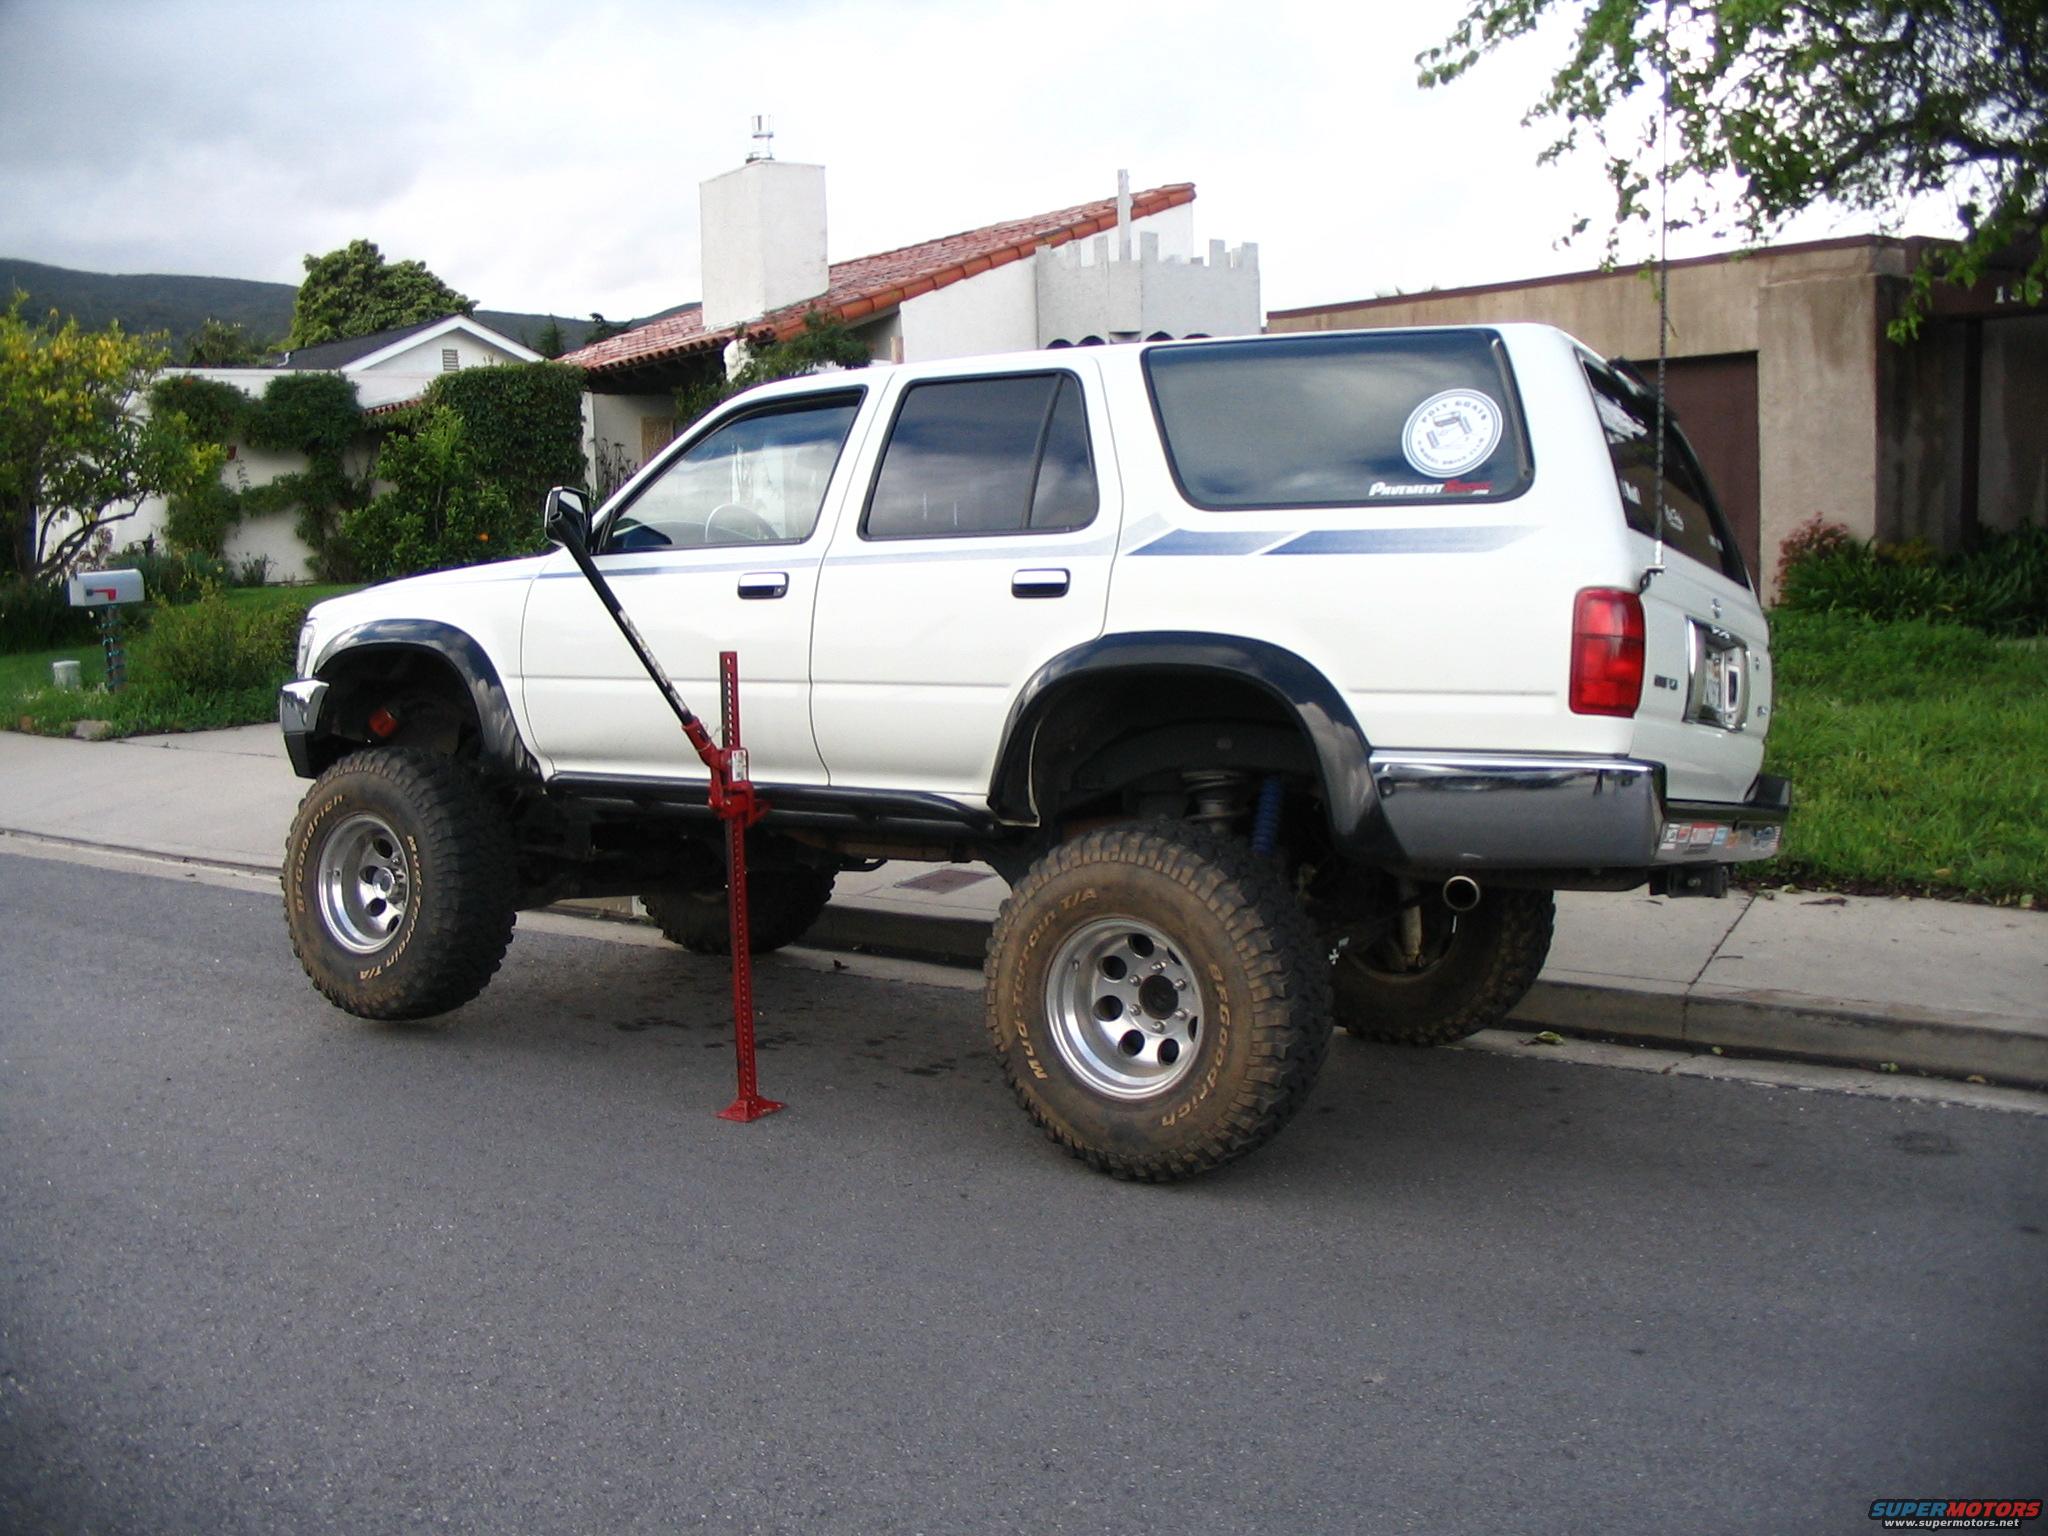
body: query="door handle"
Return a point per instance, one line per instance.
(1040, 583)
(761, 584)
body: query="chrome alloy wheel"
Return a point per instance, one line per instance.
(365, 883)
(1124, 1007)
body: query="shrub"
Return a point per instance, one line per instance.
(38, 616)
(171, 576)
(522, 424)
(439, 511)
(2000, 587)
(211, 646)
(215, 412)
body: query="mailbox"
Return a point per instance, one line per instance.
(104, 589)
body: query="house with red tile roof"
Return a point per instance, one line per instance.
(1120, 268)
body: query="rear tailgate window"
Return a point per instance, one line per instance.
(1341, 420)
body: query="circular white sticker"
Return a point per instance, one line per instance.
(1452, 432)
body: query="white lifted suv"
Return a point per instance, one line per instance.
(1283, 678)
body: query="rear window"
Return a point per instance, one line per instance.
(1333, 421)
(1693, 524)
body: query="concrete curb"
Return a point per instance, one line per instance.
(1957, 1044)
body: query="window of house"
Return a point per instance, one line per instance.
(450, 361)
(758, 479)
(991, 455)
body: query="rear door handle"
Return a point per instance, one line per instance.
(761, 584)
(1040, 583)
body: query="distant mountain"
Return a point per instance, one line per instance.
(157, 301)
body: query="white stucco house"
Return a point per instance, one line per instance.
(1122, 268)
(390, 370)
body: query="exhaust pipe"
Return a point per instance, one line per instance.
(1461, 893)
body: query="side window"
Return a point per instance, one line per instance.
(995, 455)
(758, 480)
(1693, 524)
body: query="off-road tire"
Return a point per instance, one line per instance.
(1486, 967)
(426, 822)
(781, 906)
(1233, 931)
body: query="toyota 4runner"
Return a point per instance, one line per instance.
(1284, 679)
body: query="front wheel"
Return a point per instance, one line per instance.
(1441, 975)
(1157, 1000)
(398, 883)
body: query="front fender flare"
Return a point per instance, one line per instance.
(499, 744)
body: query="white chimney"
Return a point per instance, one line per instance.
(763, 239)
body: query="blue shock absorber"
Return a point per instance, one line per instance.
(1266, 820)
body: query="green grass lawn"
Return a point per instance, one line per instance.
(1918, 752)
(1918, 755)
(29, 701)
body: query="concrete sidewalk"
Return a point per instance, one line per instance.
(1939, 987)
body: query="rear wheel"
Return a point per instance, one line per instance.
(1443, 975)
(781, 906)
(1157, 1000)
(398, 883)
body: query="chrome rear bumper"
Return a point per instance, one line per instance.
(1475, 810)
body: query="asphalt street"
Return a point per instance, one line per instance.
(264, 1268)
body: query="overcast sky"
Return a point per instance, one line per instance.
(546, 156)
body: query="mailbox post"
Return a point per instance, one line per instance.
(109, 592)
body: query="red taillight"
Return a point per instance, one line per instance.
(1607, 652)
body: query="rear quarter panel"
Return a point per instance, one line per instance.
(1445, 626)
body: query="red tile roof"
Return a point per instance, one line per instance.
(873, 285)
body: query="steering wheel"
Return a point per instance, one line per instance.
(733, 523)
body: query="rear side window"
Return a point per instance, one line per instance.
(1693, 524)
(1338, 421)
(980, 456)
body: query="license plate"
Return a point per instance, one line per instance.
(1719, 695)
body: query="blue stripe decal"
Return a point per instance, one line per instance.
(1403, 541)
(1186, 541)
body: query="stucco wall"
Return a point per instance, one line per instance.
(619, 427)
(1817, 404)
(994, 311)
(1086, 289)
(763, 239)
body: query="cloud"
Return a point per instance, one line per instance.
(540, 156)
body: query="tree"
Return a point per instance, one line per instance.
(221, 344)
(1775, 106)
(822, 343)
(355, 292)
(551, 344)
(602, 329)
(76, 453)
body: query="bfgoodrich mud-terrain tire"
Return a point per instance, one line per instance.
(1157, 999)
(1473, 968)
(398, 885)
(781, 906)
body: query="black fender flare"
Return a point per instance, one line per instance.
(499, 744)
(1357, 824)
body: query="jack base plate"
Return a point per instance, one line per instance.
(749, 1107)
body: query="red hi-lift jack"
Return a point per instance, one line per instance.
(732, 800)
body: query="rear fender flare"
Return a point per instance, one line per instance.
(1357, 823)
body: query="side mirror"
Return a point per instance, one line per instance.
(565, 517)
